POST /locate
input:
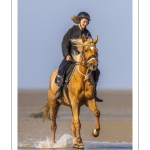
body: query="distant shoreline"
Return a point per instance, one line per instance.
(126, 91)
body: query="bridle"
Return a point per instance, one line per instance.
(91, 57)
(87, 75)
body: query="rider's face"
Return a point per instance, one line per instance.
(83, 23)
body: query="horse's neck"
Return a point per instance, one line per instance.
(82, 70)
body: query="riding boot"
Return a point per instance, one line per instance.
(58, 93)
(96, 75)
(96, 98)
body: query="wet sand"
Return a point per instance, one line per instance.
(116, 118)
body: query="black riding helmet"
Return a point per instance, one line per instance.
(84, 15)
(76, 19)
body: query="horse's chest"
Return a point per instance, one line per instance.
(82, 91)
(89, 90)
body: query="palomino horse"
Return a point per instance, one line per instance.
(80, 90)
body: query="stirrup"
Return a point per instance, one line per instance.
(59, 80)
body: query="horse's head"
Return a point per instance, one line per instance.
(88, 51)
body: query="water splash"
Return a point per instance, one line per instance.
(64, 142)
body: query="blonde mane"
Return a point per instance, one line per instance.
(79, 44)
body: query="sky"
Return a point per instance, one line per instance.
(43, 23)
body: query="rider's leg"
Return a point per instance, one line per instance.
(96, 75)
(61, 70)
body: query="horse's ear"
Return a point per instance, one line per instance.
(83, 38)
(95, 40)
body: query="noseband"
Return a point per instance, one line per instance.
(85, 64)
(91, 57)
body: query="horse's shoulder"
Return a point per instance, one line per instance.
(53, 74)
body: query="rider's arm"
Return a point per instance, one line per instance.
(66, 44)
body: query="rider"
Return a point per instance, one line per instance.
(82, 20)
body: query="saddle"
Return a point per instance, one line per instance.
(67, 74)
(66, 78)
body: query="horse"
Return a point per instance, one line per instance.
(80, 90)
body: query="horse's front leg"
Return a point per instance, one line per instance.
(73, 129)
(92, 105)
(76, 127)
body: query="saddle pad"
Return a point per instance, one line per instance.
(67, 73)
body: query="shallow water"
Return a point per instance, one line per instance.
(65, 142)
(116, 116)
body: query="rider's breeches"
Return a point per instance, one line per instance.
(63, 66)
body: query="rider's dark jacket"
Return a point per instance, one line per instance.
(73, 33)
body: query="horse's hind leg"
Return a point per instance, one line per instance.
(53, 114)
(92, 105)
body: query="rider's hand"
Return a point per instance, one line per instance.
(68, 57)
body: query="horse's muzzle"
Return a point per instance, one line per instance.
(92, 66)
(92, 63)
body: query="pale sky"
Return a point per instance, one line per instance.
(43, 23)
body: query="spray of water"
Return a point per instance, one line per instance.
(64, 142)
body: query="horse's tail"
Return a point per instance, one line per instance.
(46, 111)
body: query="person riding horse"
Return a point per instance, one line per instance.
(82, 20)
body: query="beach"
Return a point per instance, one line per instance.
(115, 119)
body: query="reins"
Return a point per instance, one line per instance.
(85, 63)
(86, 76)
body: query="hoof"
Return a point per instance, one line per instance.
(78, 146)
(75, 145)
(95, 133)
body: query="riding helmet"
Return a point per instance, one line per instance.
(84, 15)
(76, 19)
